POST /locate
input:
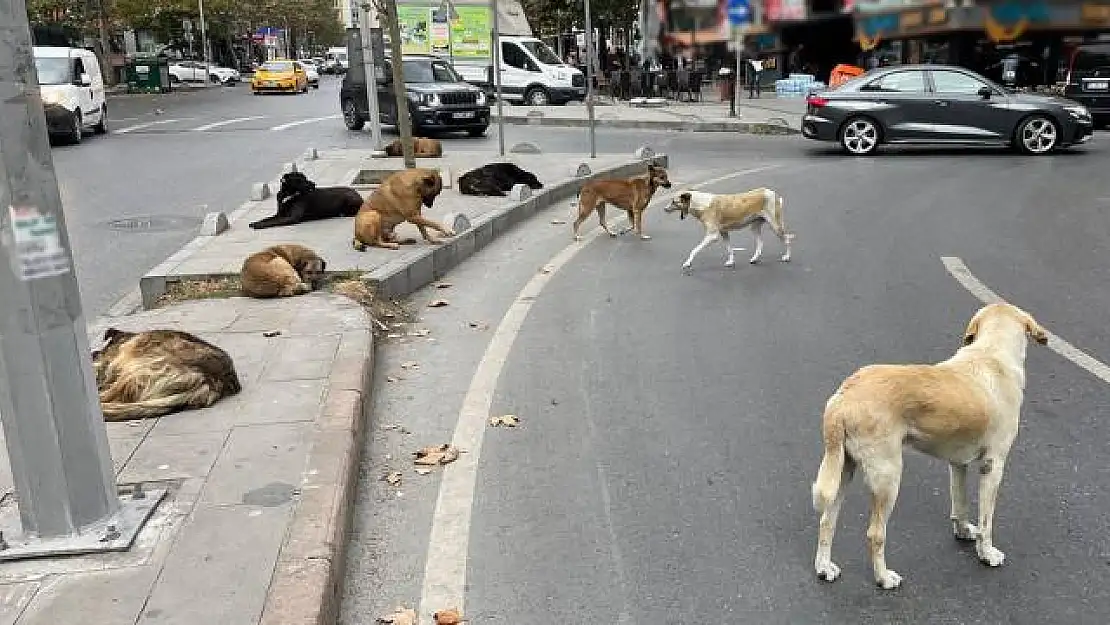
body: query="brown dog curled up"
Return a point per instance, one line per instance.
(399, 199)
(421, 148)
(157, 372)
(282, 271)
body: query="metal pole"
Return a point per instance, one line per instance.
(370, 70)
(204, 44)
(590, 79)
(495, 43)
(53, 428)
(734, 109)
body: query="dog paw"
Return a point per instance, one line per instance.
(827, 571)
(577, 237)
(889, 580)
(730, 263)
(687, 269)
(785, 258)
(964, 531)
(991, 556)
(449, 233)
(753, 261)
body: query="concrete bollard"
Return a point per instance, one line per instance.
(524, 147)
(458, 222)
(644, 152)
(520, 193)
(260, 191)
(214, 223)
(583, 170)
(535, 118)
(311, 154)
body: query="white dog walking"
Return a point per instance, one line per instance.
(721, 213)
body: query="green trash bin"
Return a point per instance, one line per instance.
(148, 74)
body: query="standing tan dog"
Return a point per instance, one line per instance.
(282, 271)
(963, 410)
(421, 148)
(631, 194)
(398, 200)
(154, 373)
(722, 213)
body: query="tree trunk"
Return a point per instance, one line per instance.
(404, 122)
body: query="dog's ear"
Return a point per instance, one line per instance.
(972, 330)
(1034, 329)
(111, 333)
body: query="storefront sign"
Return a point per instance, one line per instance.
(784, 10)
(466, 37)
(1095, 13)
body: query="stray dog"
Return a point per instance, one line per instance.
(722, 213)
(421, 148)
(962, 410)
(282, 271)
(398, 200)
(631, 194)
(496, 179)
(299, 200)
(154, 373)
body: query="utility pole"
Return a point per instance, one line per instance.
(590, 79)
(204, 51)
(404, 122)
(53, 428)
(495, 43)
(370, 71)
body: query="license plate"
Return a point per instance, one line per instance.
(271, 83)
(464, 115)
(1100, 85)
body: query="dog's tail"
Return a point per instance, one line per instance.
(828, 483)
(158, 406)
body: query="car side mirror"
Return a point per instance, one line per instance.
(85, 80)
(986, 93)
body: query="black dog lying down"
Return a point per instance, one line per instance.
(299, 199)
(496, 179)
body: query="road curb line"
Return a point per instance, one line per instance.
(739, 127)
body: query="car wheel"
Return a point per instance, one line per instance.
(101, 128)
(1038, 135)
(77, 131)
(477, 132)
(537, 96)
(315, 85)
(351, 118)
(860, 136)
(214, 79)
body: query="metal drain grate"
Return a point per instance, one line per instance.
(153, 224)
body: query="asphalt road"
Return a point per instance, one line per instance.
(170, 159)
(671, 423)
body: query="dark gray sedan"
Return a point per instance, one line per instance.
(941, 104)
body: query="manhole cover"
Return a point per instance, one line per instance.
(153, 224)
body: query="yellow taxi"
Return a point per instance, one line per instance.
(280, 75)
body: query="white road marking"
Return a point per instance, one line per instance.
(123, 131)
(449, 543)
(227, 122)
(304, 121)
(1078, 357)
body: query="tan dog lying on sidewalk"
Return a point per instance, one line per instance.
(721, 213)
(154, 373)
(282, 271)
(421, 148)
(963, 410)
(631, 194)
(396, 201)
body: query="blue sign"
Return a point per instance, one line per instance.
(739, 12)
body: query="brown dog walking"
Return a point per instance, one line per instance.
(631, 194)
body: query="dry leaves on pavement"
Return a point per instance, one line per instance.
(435, 455)
(401, 616)
(438, 303)
(393, 478)
(449, 617)
(506, 420)
(558, 222)
(444, 285)
(411, 364)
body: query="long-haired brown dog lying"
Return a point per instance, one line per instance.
(421, 148)
(396, 201)
(156, 372)
(631, 194)
(282, 271)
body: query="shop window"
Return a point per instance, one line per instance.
(898, 82)
(956, 83)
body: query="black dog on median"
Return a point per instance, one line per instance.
(299, 199)
(496, 179)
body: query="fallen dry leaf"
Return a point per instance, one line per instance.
(423, 471)
(479, 326)
(393, 478)
(271, 334)
(558, 222)
(421, 332)
(506, 420)
(547, 269)
(390, 378)
(410, 364)
(436, 454)
(438, 303)
(449, 617)
(401, 616)
(444, 285)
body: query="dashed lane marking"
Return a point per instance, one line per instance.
(301, 122)
(227, 122)
(1078, 357)
(449, 543)
(123, 131)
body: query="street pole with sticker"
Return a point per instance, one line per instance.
(57, 444)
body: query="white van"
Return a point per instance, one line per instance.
(335, 61)
(72, 89)
(531, 73)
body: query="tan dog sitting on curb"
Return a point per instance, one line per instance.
(631, 194)
(421, 148)
(282, 271)
(396, 201)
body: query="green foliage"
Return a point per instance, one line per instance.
(67, 14)
(550, 17)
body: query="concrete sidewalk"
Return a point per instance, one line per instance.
(259, 482)
(764, 115)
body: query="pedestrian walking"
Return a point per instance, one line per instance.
(755, 73)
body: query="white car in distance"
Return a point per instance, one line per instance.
(197, 71)
(310, 72)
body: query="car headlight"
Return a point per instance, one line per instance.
(1079, 112)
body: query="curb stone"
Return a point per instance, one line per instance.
(755, 128)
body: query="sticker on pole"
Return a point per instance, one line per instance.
(38, 244)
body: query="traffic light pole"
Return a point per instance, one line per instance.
(54, 432)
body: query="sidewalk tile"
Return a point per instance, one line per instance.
(14, 599)
(259, 463)
(111, 597)
(302, 358)
(280, 402)
(162, 457)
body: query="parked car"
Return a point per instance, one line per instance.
(72, 91)
(438, 98)
(279, 75)
(1088, 79)
(196, 71)
(941, 104)
(335, 61)
(311, 73)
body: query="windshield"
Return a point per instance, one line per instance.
(542, 52)
(426, 72)
(54, 71)
(277, 66)
(1092, 62)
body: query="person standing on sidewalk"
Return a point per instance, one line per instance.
(755, 73)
